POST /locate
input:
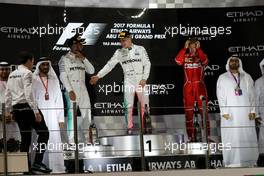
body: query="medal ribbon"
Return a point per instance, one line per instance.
(237, 80)
(45, 86)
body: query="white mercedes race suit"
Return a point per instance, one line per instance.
(136, 66)
(72, 75)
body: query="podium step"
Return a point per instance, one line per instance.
(154, 144)
(162, 144)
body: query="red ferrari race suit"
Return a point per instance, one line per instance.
(194, 85)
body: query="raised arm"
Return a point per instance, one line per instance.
(202, 56)
(89, 68)
(109, 66)
(179, 59)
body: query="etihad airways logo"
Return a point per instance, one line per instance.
(240, 14)
(213, 105)
(250, 50)
(90, 32)
(110, 107)
(211, 70)
(244, 16)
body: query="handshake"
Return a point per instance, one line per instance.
(94, 80)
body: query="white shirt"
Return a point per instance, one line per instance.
(134, 61)
(19, 89)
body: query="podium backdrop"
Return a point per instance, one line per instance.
(223, 32)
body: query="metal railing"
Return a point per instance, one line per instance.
(143, 163)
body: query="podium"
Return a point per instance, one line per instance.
(121, 153)
(12, 161)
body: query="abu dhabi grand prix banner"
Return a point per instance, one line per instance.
(222, 32)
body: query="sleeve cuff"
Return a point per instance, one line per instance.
(69, 90)
(85, 60)
(61, 120)
(145, 78)
(99, 75)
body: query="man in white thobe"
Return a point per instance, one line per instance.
(235, 93)
(47, 93)
(259, 87)
(11, 126)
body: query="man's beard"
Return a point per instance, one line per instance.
(45, 72)
(233, 67)
(4, 78)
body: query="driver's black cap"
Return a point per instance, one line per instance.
(75, 39)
